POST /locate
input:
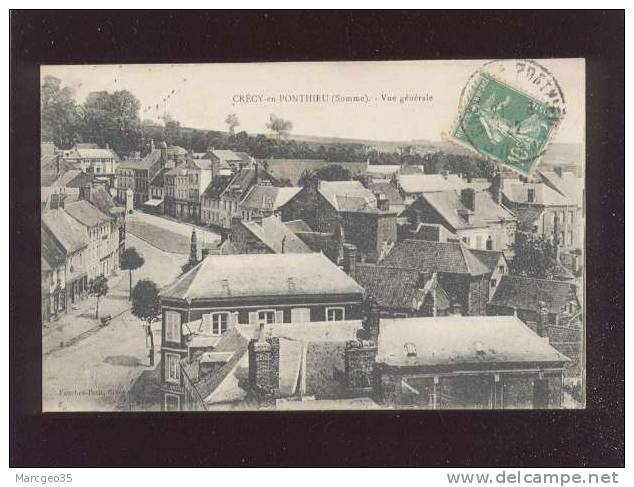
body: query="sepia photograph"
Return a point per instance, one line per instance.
(313, 236)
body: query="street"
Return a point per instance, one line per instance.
(86, 367)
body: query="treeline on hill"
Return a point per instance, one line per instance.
(113, 119)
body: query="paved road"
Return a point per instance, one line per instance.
(95, 372)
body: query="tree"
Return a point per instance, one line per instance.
(332, 172)
(59, 115)
(278, 125)
(98, 288)
(233, 122)
(173, 132)
(131, 261)
(112, 119)
(146, 305)
(534, 256)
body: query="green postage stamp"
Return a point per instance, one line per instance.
(506, 125)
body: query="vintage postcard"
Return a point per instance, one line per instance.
(323, 236)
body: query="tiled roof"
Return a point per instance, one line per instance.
(392, 287)
(226, 155)
(292, 169)
(267, 197)
(272, 231)
(68, 232)
(222, 276)
(86, 213)
(383, 168)
(443, 257)
(428, 183)
(241, 182)
(525, 293)
(462, 340)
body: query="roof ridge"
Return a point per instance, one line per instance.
(515, 276)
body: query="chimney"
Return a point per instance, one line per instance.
(193, 249)
(542, 319)
(151, 145)
(359, 361)
(349, 259)
(58, 158)
(467, 197)
(372, 320)
(205, 252)
(382, 202)
(264, 366)
(163, 153)
(85, 192)
(496, 187)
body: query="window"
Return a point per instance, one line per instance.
(335, 314)
(570, 307)
(219, 323)
(478, 241)
(466, 240)
(531, 195)
(501, 269)
(494, 283)
(172, 369)
(571, 216)
(172, 326)
(172, 402)
(266, 317)
(570, 243)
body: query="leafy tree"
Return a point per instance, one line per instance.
(131, 261)
(98, 288)
(278, 125)
(173, 133)
(146, 305)
(534, 256)
(333, 172)
(59, 115)
(232, 121)
(112, 118)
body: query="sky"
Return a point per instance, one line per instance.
(202, 95)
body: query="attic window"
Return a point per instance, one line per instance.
(225, 287)
(410, 349)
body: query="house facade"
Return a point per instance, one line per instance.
(216, 296)
(462, 275)
(184, 186)
(102, 235)
(223, 196)
(347, 209)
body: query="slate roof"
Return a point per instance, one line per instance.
(443, 257)
(159, 178)
(428, 183)
(222, 276)
(217, 186)
(517, 192)
(267, 197)
(525, 293)
(348, 196)
(389, 190)
(231, 342)
(68, 232)
(272, 231)
(101, 199)
(292, 169)
(449, 205)
(241, 183)
(52, 252)
(298, 226)
(86, 213)
(462, 341)
(489, 258)
(226, 155)
(85, 153)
